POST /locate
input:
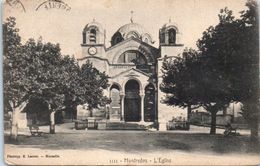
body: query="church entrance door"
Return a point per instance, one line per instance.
(132, 102)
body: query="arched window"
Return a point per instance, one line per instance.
(132, 57)
(115, 105)
(92, 36)
(84, 37)
(172, 36)
(117, 38)
(114, 95)
(136, 58)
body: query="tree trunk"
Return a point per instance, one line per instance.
(91, 112)
(254, 130)
(213, 122)
(252, 117)
(52, 122)
(14, 127)
(188, 116)
(254, 122)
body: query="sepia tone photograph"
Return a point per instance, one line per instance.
(131, 82)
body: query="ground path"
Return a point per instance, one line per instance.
(132, 147)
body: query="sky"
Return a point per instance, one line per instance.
(65, 27)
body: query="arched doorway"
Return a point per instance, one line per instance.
(115, 105)
(149, 103)
(132, 102)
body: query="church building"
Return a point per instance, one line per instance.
(133, 65)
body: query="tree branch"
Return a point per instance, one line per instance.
(195, 107)
(22, 106)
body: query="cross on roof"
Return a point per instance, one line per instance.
(132, 12)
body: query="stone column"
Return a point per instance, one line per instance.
(122, 97)
(142, 107)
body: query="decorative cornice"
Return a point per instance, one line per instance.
(80, 59)
(172, 45)
(92, 45)
(137, 70)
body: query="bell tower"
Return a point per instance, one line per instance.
(93, 40)
(93, 46)
(170, 46)
(170, 40)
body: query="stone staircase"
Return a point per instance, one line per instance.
(124, 126)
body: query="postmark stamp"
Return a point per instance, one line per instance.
(16, 4)
(53, 4)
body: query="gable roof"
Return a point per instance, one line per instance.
(133, 73)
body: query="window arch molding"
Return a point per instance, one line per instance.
(89, 28)
(132, 56)
(148, 55)
(172, 27)
(137, 80)
(147, 38)
(115, 84)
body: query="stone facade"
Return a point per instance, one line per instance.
(133, 65)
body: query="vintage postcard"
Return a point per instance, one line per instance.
(131, 82)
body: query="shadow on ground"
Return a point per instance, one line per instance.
(139, 141)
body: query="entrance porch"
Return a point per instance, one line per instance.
(133, 103)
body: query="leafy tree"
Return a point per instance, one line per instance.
(47, 75)
(234, 44)
(15, 68)
(179, 79)
(248, 80)
(93, 83)
(37, 70)
(193, 80)
(86, 86)
(229, 68)
(60, 82)
(246, 87)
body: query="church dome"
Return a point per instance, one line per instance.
(125, 29)
(131, 30)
